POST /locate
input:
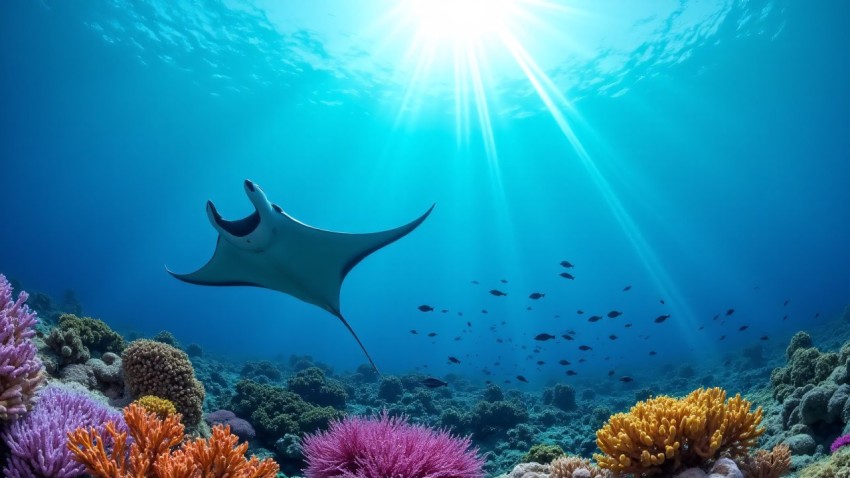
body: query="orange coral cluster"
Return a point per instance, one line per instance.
(152, 453)
(664, 434)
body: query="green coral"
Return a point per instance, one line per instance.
(275, 411)
(490, 417)
(390, 389)
(807, 365)
(312, 385)
(836, 465)
(542, 453)
(800, 340)
(75, 338)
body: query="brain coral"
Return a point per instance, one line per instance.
(154, 368)
(665, 434)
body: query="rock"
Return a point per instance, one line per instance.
(836, 403)
(725, 468)
(529, 470)
(814, 403)
(845, 412)
(801, 444)
(799, 462)
(788, 406)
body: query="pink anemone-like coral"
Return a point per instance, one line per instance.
(21, 371)
(358, 447)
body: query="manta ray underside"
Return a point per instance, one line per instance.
(270, 249)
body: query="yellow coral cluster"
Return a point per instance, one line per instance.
(162, 407)
(665, 434)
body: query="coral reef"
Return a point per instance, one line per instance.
(390, 389)
(560, 396)
(312, 385)
(151, 452)
(238, 426)
(154, 368)
(262, 371)
(386, 446)
(767, 464)
(666, 434)
(37, 441)
(542, 453)
(76, 339)
(22, 373)
(161, 407)
(839, 442)
(836, 465)
(576, 467)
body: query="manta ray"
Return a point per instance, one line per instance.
(270, 249)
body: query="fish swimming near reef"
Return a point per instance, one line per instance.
(544, 337)
(536, 296)
(432, 382)
(425, 308)
(497, 293)
(270, 249)
(566, 264)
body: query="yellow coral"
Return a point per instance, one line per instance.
(664, 434)
(162, 407)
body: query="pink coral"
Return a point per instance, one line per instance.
(839, 442)
(359, 447)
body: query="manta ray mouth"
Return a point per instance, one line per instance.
(240, 227)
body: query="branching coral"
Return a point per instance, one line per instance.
(665, 434)
(767, 464)
(151, 453)
(22, 373)
(572, 466)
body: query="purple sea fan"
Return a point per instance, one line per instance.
(386, 446)
(38, 442)
(21, 371)
(839, 442)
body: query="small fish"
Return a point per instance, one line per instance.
(584, 348)
(653, 352)
(722, 337)
(469, 324)
(503, 281)
(662, 301)
(785, 303)
(414, 332)
(432, 334)
(614, 314)
(544, 337)
(612, 337)
(454, 360)
(564, 362)
(571, 373)
(497, 292)
(536, 295)
(457, 338)
(432, 382)
(483, 311)
(626, 379)
(701, 327)
(567, 337)
(743, 328)
(567, 275)
(628, 325)
(474, 282)
(425, 308)
(594, 318)
(500, 341)
(730, 312)
(715, 317)
(540, 362)
(764, 337)
(627, 288)
(817, 314)
(581, 360)
(566, 264)
(579, 312)
(522, 379)
(610, 373)
(661, 318)
(443, 311)
(785, 317)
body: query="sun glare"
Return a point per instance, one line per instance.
(460, 21)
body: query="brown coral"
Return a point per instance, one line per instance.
(666, 434)
(567, 466)
(154, 368)
(767, 464)
(152, 453)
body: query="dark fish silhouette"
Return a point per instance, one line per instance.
(443, 311)
(432, 334)
(432, 382)
(715, 317)
(784, 303)
(610, 373)
(743, 328)
(566, 264)
(522, 379)
(628, 325)
(594, 318)
(414, 332)
(497, 292)
(483, 311)
(503, 281)
(474, 282)
(612, 337)
(785, 317)
(764, 337)
(540, 362)
(722, 337)
(701, 327)
(730, 312)
(661, 318)
(564, 362)
(817, 314)
(661, 300)
(584, 348)
(544, 337)
(626, 288)
(454, 360)
(652, 352)
(469, 324)
(457, 338)
(425, 308)
(536, 295)
(571, 373)
(626, 379)
(614, 314)
(579, 312)
(566, 275)
(582, 360)
(567, 337)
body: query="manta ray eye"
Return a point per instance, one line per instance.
(277, 208)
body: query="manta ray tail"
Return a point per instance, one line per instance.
(345, 322)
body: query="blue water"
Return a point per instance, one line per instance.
(705, 162)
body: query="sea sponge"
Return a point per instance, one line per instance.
(665, 434)
(767, 464)
(576, 467)
(154, 368)
(561, 396)
(542, 453)
(313, 387)
(162, 407)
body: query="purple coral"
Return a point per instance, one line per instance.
(21, 371)
(358, 447)
(38, 442)
(839, 442)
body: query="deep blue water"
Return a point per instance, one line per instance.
(710, 168)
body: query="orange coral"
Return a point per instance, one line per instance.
(152, 454)
(664, 434)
